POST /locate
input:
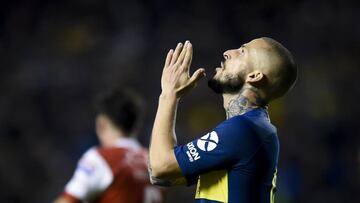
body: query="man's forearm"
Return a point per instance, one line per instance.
(163, 137)
(175, 82)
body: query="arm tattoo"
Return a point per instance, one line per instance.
(165, 182)
(157, 181)
(160, 182)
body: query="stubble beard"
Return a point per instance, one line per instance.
(231, 84)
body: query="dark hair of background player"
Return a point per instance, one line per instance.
(122, 106)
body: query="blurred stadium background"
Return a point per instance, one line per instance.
(55, 56)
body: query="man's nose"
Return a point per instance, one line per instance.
(227, 54)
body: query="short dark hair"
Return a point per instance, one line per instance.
(122, 106)
(288, 70)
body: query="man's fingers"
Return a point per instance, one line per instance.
(199, 73)
(188, 57)
(183, 53)
(176, 53)
(168, 58)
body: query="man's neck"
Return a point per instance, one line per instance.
(111, 137)
(242, 102)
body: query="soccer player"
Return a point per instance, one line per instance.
(235, 162)
(115, 172)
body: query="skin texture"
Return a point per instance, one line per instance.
(242, 103)
(175, 82)
(257, 72)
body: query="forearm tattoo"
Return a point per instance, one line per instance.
(164, 182)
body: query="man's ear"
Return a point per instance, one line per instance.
(254, 77)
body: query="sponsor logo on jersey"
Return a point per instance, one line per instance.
(192, 152)
(208, 142)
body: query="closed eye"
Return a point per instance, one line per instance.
(242, 49)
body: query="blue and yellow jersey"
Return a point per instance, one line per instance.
(235, 162)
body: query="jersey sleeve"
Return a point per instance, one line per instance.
(218, 149)
(92, 176)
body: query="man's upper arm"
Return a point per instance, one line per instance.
(92, 175)
(216, 150)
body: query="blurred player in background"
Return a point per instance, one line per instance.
(117, 170)
(236, 162)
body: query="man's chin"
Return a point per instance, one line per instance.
(215, 85)
(221, 88)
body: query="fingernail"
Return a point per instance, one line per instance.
(179, 44)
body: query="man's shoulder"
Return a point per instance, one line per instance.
(119, 152)
(105, 153)
(90, 155)
(236, 123)
(246, 125)
(115, 156)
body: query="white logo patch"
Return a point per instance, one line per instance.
(208, 142)
(192, 152)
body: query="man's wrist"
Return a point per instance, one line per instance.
(168, 96)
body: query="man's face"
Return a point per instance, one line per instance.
(230, 76)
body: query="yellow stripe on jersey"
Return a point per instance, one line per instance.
(272, 191)
(213, 186)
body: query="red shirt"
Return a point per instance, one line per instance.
(113, 174)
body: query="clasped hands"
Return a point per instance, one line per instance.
(176, 79)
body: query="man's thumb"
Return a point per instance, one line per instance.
(198, 74)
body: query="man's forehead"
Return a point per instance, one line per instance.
(256, 43)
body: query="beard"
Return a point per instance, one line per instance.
(232, 84)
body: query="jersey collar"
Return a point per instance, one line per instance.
(129, 143)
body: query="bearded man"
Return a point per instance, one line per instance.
(236, 162)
